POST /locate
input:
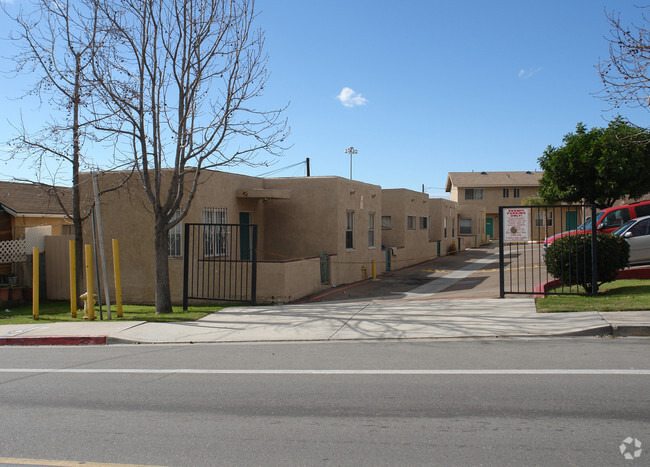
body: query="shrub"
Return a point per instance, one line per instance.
(452, 248)
(569, 259)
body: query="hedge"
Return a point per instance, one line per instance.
(569, 258)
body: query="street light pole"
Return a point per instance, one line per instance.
(351, 151)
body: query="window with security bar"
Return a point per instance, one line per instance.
(175, 238)
(349, 230)
(215, 235)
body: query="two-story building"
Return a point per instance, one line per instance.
(491, 190)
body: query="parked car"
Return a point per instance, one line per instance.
(608, 220)
(637, 233)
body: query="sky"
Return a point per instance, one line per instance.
(419, 88)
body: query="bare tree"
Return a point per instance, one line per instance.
(180, 77)
(55, 41)
(626, 73)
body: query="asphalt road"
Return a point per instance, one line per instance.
(479, 402)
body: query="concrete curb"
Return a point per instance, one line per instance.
(54, 340)
(630, 331)
(606, 330)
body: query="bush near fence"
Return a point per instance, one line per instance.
(569, 258)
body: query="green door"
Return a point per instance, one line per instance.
(245, 219)
(571, 220)
(489, 227)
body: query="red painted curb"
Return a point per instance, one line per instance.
(54, 340)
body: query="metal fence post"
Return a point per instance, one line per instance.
(502, 292)
(594, 252)
(186, 249)
(254, 267)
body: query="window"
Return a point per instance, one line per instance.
(371, 230)
(515, 192)
(616, 218)
(175, 245)
(473, 193)
(506, 192)
(444, 226)
(386, 222)
(215, 235)
(410, 222)
(642, 210)
(349, 230)
(453, 227)
(423, 223)
(641, 228)
(539, 218)
(549, 218)
(465, 226)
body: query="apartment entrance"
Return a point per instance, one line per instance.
(489, 227)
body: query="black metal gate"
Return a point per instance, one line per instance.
(220, 263)
(524, 234)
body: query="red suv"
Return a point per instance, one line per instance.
(609, 219)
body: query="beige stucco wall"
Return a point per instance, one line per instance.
(492, 199)
(441, 210)
(413, 245)
(126, 216)
(477, 236)
(311, 221)
(286, 281)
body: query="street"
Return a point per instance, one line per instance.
(553, 401)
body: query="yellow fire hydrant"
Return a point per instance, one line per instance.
(89, 310)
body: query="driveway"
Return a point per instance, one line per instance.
(472, 273)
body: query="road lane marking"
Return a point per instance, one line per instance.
(252, 371)
(57, 463)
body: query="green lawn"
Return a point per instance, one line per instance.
(623, 295)
(51, 312)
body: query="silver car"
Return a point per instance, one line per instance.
(637, 234)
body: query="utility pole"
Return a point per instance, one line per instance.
(101, 247)
(351, 151)
(308, 167)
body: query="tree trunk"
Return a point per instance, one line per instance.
(163, 294)
(76, 197)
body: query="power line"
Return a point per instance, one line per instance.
(273, 172)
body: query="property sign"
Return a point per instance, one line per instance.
(515, 225)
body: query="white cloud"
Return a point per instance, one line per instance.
(525, 74)
(349, 98)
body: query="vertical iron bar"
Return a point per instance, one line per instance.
(186, 241)
(594, 252)
(502, 292)
(238, 265)
(254, 267)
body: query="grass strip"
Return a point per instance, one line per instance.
(56, 311)
(621, 295)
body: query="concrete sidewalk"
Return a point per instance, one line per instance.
(332, 321)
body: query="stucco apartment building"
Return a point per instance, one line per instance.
(491, 190)
(299, 219)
